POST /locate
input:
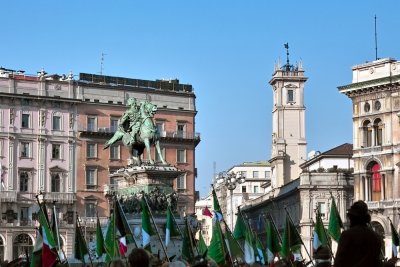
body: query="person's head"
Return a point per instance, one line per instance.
(131, 102)
(117, 263)
(322, 256)
(139, 257)
(358, 213)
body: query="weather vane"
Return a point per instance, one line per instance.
(287, 67)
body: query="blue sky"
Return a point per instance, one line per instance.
(225, 49)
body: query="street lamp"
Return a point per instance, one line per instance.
(231, 180)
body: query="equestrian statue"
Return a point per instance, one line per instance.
(137, 131)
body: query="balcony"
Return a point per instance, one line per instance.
(91, 222)
(8, 196)
(62, 198)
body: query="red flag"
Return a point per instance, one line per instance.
(122, 246)
(207, 212)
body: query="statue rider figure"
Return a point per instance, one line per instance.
(132, 116)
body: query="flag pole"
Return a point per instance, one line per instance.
(326, 235)
(158, 233)
(46, 216)
(190, 235)
(173, 217)
(84, 240)
(305, 248)
(276, 230)
(129, 227)
(58, 232)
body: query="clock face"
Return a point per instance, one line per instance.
(377, 105)
(367, 107)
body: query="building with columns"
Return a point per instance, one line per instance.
(375, 95)
(52, 132)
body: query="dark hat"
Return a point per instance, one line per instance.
(359, 208)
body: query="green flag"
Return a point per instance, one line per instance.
(110, 241)
(187, 244)
(80, 245)
(216, 207)
(335, 222)
(35, 259)
(395, 240)
(233, 245)
(202, 244)
(260, 251)
(147, 230)
(320, 237)
(99, 239)
(170, 227)
(291, 241)
(240, 227)
(249, 253)
(273, 245)
(216, 249)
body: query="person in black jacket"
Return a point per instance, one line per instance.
(360, 245)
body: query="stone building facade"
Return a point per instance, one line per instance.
(375, 95)
(52, 131)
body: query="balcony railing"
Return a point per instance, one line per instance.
(8, 196)
(60, 197)
(92, 221)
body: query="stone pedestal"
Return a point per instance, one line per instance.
(156, 182)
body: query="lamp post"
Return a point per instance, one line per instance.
(231, 180)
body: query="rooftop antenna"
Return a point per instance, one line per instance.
(376, 42)
(102, 63)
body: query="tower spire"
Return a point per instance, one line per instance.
(287, 66)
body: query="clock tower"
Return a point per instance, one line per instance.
(289, 145)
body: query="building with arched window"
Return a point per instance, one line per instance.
(375, 94)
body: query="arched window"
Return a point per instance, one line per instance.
(376, 178)
(1, 249)
(55, 183)
(378, 228)
(22, 244)
(367, 134)
(378, 129)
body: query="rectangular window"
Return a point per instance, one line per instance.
(267, 174)
(180, 130)
(56, 151)
(290, 95)
(180, 155)
(113, 125)
(114, 152)
(160, 129)
(91, 124)
(255, 174)
(244, 174)
(25, 150)
(24, 215)
(23, 182)
(157, 157)
(181, 182)
(256, 189)
(91, 150)
(56, 123)
(243, 189)
(25, 120)
(90, 209)
(91, 181)
(322, 209)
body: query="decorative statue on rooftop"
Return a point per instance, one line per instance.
(137, 131)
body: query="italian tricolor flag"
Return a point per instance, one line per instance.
(146, 226)
(49, 252)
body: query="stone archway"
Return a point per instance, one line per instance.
(380, 230)
(22, 245)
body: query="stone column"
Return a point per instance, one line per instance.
(41, 163)
(71, 169)
(11, 153)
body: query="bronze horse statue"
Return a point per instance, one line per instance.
(142, 138)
